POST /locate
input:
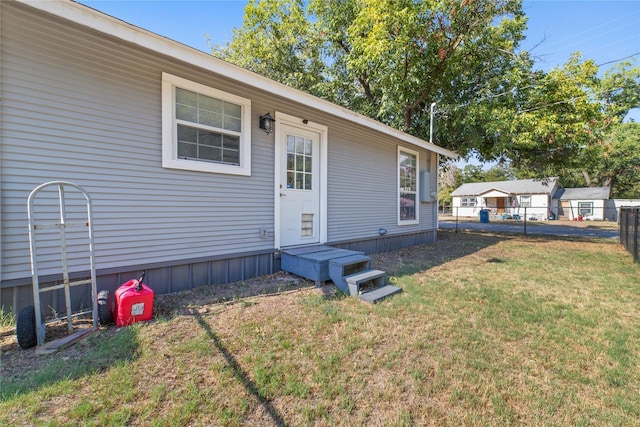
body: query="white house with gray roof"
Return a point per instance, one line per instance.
(507, 199)
(586, 203)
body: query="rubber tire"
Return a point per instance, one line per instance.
(26, 327)
(105, 309)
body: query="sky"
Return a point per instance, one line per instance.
(606, 31)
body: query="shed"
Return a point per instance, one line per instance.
(586, 203)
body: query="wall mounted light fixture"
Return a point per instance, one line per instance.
(266, 123)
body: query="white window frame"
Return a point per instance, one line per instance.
(170, 129)
(417, 192)
(585, 206)
(525, 200)
(468, 202)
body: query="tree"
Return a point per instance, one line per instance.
(618, 163)
(559, 122)
(278, 41)
(388, 59)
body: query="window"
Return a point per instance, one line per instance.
(407, 186)
(525, 201)
(468, 201)
(299, 162)
(204, 129)
(585, 208)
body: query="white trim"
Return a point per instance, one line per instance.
(417, 193)
(322, 130)
(96, 20)
(169, 132)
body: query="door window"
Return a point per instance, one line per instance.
(299, 163)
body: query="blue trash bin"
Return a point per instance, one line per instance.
(484, 216)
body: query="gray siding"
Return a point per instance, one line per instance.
(81, 108)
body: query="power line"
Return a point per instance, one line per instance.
(619, 59)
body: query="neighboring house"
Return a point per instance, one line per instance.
(184, 182)
(612, 207)
(507, 199)
(586, 203)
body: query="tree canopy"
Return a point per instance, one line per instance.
(391, 59)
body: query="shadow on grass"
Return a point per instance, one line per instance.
(239, 373)
(25, 371)
(449, 247)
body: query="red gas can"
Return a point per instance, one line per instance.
(133, 302)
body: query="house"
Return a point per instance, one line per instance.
(172, 146)
(587, 203)
(507, 199)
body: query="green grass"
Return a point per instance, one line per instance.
(487, 331)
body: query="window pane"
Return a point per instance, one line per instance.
(231, 156)
(307, 164)
(211, 146)
(307, 182)
(187, 134)
(407, 178)
(407, 206)
(208, 111)
(210, 118)
(232, 110)
(308, 145)
(210, 139)
(231, 142)
(210, 153)
(299, 163)
(291, 143)
(186, 97)
(186, 112)
(299, 145)
(299, 180)
(306, 225)
(187, 150)
(290, 179)
(210, 104)
(232, 123)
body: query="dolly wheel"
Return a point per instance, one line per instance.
(105, 313)
(26, 327)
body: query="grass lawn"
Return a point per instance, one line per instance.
(490, 330)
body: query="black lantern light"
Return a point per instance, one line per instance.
(266, 123)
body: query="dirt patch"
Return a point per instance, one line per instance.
(15, 362)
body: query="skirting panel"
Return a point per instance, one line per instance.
(168, 278)
(187, 274)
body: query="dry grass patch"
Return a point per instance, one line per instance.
(488, 331)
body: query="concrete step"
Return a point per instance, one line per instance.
(379, 294)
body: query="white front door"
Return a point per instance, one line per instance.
(299, 185)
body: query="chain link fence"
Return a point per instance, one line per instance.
(526, 217)
(630, 230)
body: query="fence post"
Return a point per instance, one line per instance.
(525, 220)
(636, 255)
(456, 219)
